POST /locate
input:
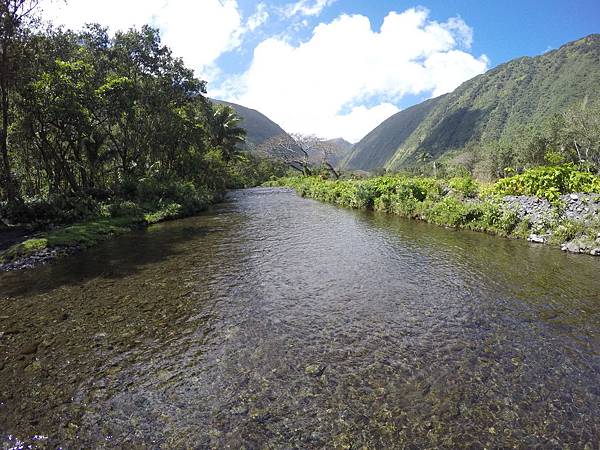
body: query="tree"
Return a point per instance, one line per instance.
(425, 157)
(225, 130)
(581, 135)
(302, 152)
(13, 19)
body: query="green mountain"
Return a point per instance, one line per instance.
(491, 106)
(259, 128)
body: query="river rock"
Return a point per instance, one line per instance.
(30, 348)
(570, 247)
(537, 238)
(314, 369)
(579, 245)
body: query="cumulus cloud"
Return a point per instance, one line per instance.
(347, 77)
(197, 31)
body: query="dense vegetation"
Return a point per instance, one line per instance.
(460, 202)
(482, 119)
(104, 126)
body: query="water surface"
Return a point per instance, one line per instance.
(279, 322)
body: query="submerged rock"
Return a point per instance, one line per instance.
(30, 348)
(314, 369)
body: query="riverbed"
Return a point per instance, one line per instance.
(273, 321)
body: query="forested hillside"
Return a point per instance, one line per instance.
(498, 106)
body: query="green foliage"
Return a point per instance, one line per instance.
(248, 170)
(84, 234)
(460, 202)
(24, 248)
(566, 231)
(115, 125)
(125, 208)
(465, 186)
(167, 212)
(452, 212)
(548, 182)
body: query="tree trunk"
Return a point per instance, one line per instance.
(9, 186)
(332, 170)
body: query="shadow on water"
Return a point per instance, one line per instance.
(118, 257)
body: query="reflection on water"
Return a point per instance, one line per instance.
(275, 321)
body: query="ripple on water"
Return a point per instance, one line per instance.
(275, 321)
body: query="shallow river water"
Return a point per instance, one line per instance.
(274, 321)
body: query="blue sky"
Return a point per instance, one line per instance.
(340, 67)
(503, 29)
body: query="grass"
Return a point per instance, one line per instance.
(89, 233)
(86, 234)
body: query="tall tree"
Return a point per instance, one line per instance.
(13, 18)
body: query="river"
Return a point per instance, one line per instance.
(273, 321)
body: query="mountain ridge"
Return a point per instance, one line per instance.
(491, 106)
(259, 128)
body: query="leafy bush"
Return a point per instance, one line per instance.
(566, 231)
(59, 209)
(160, 193)
(465, 186)
(453, 212)
(170, 211)
(549, 182)
(125, 208)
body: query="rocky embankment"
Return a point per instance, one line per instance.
(579, 209)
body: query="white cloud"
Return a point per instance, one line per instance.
(354, 125)
(306, 7)
(114, 13)
(197, 31)
(259, 17)
(346, 65)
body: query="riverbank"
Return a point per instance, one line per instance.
(558, 206)
(115, 219)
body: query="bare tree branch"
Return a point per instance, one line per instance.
(302, 152)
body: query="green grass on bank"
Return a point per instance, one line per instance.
(115, 219)
(462, 202)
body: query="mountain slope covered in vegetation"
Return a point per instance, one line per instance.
(259, 128)
(494, 106)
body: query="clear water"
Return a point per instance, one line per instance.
(279, 322)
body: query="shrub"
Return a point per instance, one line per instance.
(465, 186)
(566, 231)
(124, 208)
(160, 193)
(548, 182)
(453, 212)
